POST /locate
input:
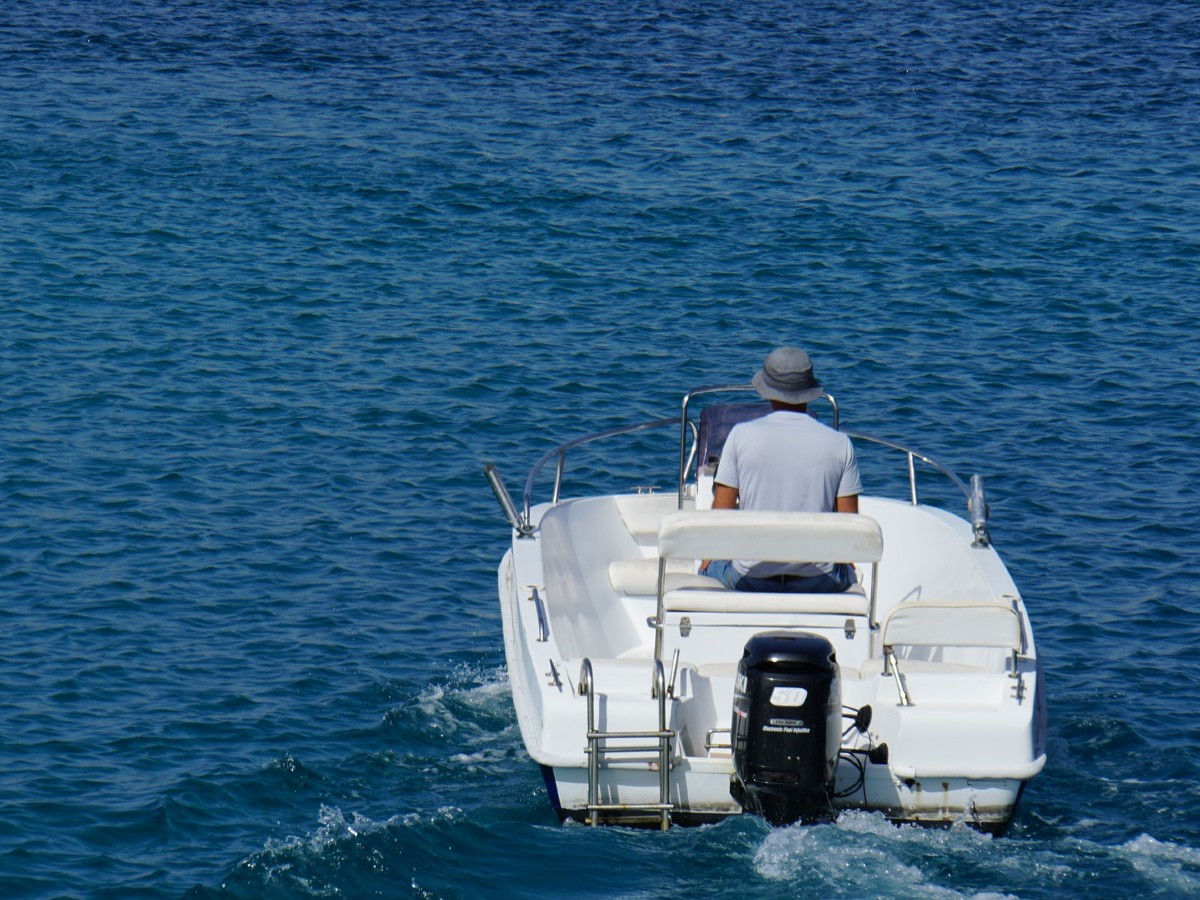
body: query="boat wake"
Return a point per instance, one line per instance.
(863, 854)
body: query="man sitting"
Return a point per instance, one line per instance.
(786, 461)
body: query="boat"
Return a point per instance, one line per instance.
(651, 695)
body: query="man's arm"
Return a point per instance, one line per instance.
(844, 504)
(726, 497)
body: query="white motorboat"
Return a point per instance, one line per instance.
(650, 695)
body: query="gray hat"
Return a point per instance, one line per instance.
(787, 376)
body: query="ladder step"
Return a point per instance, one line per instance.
(662, 736)
(629, 807)
(642, 748)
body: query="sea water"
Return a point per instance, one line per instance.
(278, 278)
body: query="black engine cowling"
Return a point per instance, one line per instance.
(787, 709)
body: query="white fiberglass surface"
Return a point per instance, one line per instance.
(928, 556)
(579, 540)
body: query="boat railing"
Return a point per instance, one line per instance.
(976, 503)
(522, 522)
(559, 453)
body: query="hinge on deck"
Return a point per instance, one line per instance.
(685, 626)
(851, 629)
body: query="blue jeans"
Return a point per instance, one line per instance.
(841, 579)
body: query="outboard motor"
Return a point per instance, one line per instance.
(787, 712)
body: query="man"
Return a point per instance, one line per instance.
(786, 461)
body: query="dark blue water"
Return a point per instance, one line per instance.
(277, 278)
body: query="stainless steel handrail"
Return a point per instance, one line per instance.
(973, 494)
(685, 461)
(913, 454)
(976, 503)
(561, 452)
(540, 608)
(662, 744)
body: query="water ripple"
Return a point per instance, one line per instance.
(280, 278)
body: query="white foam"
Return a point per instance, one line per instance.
(802, 852)
(278, 859)
(1164, 863)
(958, 834)
(472, 690)
(333, 826)
(865, 855)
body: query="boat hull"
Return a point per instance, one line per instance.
(986, 805)
(960, 751)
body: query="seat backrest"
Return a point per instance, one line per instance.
(717, 421)
(790, 537)
(698, 600)
(773, 536)
(954, 624)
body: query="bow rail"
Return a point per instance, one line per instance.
(521, 521)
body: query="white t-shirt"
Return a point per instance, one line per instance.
(789, 462)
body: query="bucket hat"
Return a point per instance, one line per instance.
(787, 376)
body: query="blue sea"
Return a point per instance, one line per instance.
(278, 277)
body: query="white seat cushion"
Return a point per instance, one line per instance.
(774, 536)
(640, 576)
